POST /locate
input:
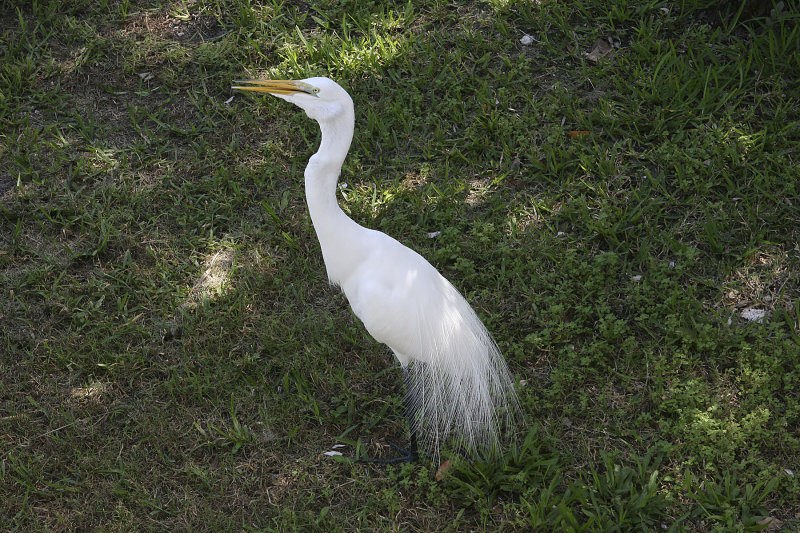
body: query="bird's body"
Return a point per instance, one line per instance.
(459, 383)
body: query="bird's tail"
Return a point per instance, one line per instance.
(462, 386)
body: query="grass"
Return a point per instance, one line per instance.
(172, 358)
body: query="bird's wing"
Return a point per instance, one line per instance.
(406, 304)
(394, 291)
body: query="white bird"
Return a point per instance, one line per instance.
(457, 382)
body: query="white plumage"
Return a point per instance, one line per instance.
(458, 382)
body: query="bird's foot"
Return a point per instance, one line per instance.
(407, 456)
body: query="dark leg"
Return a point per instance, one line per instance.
(410, 412)
(410, 454)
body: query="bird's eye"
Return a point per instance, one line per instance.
(315, 90)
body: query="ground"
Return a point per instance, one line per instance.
(612, 185)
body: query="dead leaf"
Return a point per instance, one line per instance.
(577, 134)
(146, 76)
(602, 49)
(442, 472)
(773, 524)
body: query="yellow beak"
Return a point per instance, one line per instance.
(275, 86)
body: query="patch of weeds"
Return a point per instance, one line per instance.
(727, 504)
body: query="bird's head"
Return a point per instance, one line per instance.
(321, 98)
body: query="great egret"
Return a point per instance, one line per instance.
(457, 382)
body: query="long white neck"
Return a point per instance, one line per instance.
(335, 230)
(322, 172)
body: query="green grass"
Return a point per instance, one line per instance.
(172, 358)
